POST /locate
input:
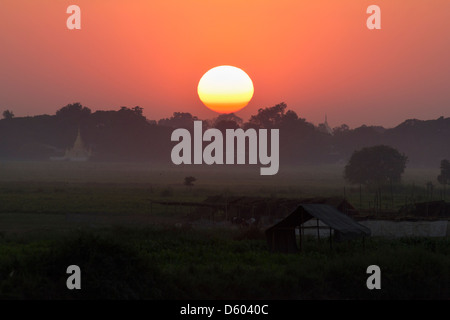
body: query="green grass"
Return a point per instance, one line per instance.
(161, 263)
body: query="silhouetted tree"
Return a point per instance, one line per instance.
(74, 111)
(223, 125)
(189, 181)
(228, 117)
(139, 111)
(178, 120)
(323, 128)
(341, 129)
(375, 165)
(444, 177)
(132, 112)
(227, 121)
(289, 117)
(268, 117)
(8, 114)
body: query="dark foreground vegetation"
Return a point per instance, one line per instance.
(161, 263)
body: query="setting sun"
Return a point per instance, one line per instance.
(225, 89)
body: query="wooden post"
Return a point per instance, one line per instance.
(360, 197)
(380, 200)
(331, 240)
(226, 211)
(301, 242)
(375, 199)
(273, 240)
(406, 203)
(318, 230)
(301, 231)
(302, 228)
(392, 194)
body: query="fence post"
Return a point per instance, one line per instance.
(318, 230)
(331, 241)
(360, 197)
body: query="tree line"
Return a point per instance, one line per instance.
(126, 134)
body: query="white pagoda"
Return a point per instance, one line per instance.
(78, 152)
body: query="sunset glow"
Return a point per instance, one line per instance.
(225, 89)
(318, 57)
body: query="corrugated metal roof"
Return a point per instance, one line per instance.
(335, 219)
(325, 213)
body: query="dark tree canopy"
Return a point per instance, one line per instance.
(223, 125)
(343, 128)
(375, 165)
(75, 111)
(139, 111)
(132, 112)
(179, 120)
(444, 177)
(8, 114)
(124, 134)
(269, 117)
(228, 117)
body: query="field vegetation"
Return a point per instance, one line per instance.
(102, 217)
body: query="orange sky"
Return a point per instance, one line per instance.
(315, 55)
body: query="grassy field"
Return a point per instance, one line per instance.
(306, 179)
(102, 217)
(62, 187)
(161, 263)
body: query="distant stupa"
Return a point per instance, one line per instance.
(78, 152)
(325, 128)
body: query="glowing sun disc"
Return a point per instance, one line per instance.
(225, 89)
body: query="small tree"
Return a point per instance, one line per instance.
(444, 177)
(189, 181)
(139, 111)
(375, 166)
(8, 114)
